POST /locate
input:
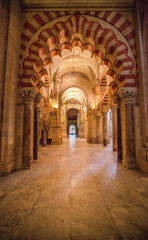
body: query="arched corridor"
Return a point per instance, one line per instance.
(73, 120)
(74, 191)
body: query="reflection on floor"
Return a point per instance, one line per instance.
(75, 191)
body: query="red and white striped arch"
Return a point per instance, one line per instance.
(45, 25)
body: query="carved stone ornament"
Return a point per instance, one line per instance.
(116, 99)
(128, 95)
(38, 98)
(30, 95)
(53, 114)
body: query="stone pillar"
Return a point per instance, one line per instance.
(119, 132)
(98, 129)
(79, 124)
(39, 127)
(142, 54)
(114, 122)
(138, 133)
(44, 135)
(127, 125)
(10, 13)
(27, 130)
(104, 129)
(82, 129)
(19, 130)
(36, 130)
(55, 122)
(85, 128)
(91, 127)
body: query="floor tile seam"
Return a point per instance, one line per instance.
(95, 178)
(39, 193)
(111, 214)
(25, 217)
(70, 199)
(123, 206)
(118, 222)
(55, 207)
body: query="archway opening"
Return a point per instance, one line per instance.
(73, 113)
(72, 122)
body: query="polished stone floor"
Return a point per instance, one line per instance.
(75, 191)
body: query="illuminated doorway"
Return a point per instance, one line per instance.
(72, 130)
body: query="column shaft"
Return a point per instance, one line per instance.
(35, 133)
(119, 137)
(98, 129)
(129, 159)
(91, 127)
(44, 136)
(114, 122)
(27, 135)
(104, 129)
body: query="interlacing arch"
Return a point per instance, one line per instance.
(93, 37)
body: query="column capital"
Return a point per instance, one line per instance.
(116, 99)
(104, 114)
(38, 98)
(113, 107)
(128, 95)
(90, 111)
(29, 95)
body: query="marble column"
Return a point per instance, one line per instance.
(119, 134)
(114, 128)
(138, 133)
(104, 129)
(35, 132)
(44, 135)
(79, 124)
(82, 129)
(127, 124)
(19, 129)
(85, 128)
(98, 129)
(91, 126)
(29, 97)
(55, 121)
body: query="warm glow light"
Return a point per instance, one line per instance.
(93, 106)
(53, 103)
(75, 93)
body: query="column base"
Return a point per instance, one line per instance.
(56, 141)
(129, 163)
(114, 149)
(114, 142)
(143, 160)
(119, 155)
(92, 140)
(26, 164)
(119, 159)
(6, 168)
(104, 143)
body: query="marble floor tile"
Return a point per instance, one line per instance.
(74, 191)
